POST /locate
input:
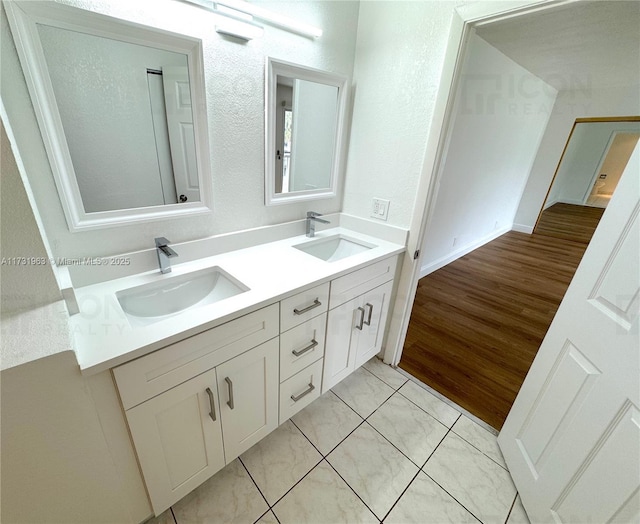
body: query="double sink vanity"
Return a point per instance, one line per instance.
(212, 356)
(228, 336)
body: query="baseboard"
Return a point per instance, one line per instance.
(522, 228)
(447, 259)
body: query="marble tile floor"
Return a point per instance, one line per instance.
(376, 448)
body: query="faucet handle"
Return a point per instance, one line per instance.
(161, 241)
(313, 214)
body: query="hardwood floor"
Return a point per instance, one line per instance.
(569, 221)
(478, 322)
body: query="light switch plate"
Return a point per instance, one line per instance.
(380, 208)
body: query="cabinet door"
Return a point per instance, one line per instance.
(248, 389)
(341, 342)
(376, 307)
(178, 439)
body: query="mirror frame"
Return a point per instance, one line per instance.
(23, 19)
(273, 69)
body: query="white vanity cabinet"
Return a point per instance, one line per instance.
(190, 431)
(359, 305)
(196, 405)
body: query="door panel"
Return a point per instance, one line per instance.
(248, 391)
(178, 443)
(571, 438)
(376, 306)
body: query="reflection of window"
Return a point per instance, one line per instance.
(286, 158)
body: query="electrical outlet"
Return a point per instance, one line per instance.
(380, 208)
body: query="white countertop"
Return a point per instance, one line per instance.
(104, 338)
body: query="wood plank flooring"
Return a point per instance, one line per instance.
(569, 221)
(478, 322)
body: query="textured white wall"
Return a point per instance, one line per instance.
(500, 115)
(25, 284)
(399, 59)
(569, 106)
(234, 74)
(581, 159)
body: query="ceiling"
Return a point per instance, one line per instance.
(587, 41)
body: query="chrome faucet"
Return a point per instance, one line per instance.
(165, 253)
(312, 218)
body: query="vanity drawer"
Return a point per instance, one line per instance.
(303, 306)
(300, 390)
(301, 346)
(161, 370)
(355, 284)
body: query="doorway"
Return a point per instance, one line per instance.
(482, 317)
(587, 175)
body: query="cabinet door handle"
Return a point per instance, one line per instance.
(315, 304)
(230, 384)
(212, 404)
(368, 321)
(304, 393)
(361, 322)
(302, 351)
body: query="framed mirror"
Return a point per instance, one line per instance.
(305, 111)
(121, 109)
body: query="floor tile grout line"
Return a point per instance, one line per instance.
(268, 511)
(513, 504)
(271, 506)
(447, 401)
(345, 403)
(454, 498)
(402, 494)
(448, 427)
(476, 447)
(341, 441)
(383, 380)
(396, 447)
(353, 490)
(255, 483)
(434, 449)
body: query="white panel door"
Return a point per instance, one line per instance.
(248, 388)
(572, 438)
(178, 439)
(177, 95)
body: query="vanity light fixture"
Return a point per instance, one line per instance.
(259, 13)
(236, 23)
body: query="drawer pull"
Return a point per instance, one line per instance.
(302, 351)
(315, 304)
(212, 404)
(359, 324)
(230, 384)
(368, 321)
(304, 393)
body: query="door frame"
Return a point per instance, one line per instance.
(464, 19)
(594, 119)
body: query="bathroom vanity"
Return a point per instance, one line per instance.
(272, 327)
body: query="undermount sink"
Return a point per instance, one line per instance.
(152, 302)
(334, 248)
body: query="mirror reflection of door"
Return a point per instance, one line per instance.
(177, 96)
(595, 156)
(284, 100)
